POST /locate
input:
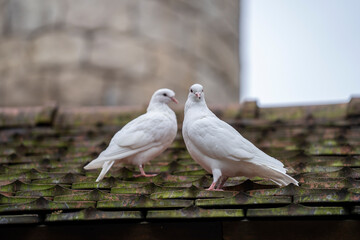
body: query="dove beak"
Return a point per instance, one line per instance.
(174, 100)
(198, 95)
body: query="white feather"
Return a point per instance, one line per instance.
(218, 147)
(143, 138)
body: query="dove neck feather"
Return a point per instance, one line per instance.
(197, 107)
(158, 106)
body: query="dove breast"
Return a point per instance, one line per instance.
(215, 144)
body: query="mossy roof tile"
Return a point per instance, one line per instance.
(340, 196)
(12, 199)
(148, 188)
(42, 158)
(243, 199)
(93, 195)
(22, 186)
(54, 191)
(20, 219)
(296, 210)
(92, 214)
(144, 202)
(191, 193)
(195, 212)
(42, 204)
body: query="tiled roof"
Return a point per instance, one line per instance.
(43, 151)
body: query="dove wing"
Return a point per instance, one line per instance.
(218, 140)
(145, 132)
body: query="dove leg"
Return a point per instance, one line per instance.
(216, 175)
(222, 182)
(143, 174)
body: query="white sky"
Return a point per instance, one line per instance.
(300, 51)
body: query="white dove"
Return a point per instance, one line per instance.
(142, 139)
(221, 150)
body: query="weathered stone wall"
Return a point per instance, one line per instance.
(116, 52)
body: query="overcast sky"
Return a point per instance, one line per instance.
(300, 51)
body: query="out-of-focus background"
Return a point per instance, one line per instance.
(117, 52)
(300, 51)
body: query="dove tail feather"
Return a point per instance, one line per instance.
(106, 167)
(94, 164)
(266, 160)
(98, 162)
(281, 178)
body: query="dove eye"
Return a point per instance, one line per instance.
(165, 95)
(191, 90)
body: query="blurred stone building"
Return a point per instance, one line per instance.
(116, 52)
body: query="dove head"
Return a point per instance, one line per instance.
(163, 95)
(196, 92)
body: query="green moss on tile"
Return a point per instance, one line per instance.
(333, 183)
(49, 192)
(145, 189)
(43, 204)
(243, 199)
(20, 219)
(12, 200)
(21, 186)
(144, 202)
(195, 212)
(93, 195)
(191, 193)
(93, 214)
(200, 172)
(340, 196)
(65, 178)
(296, 210)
